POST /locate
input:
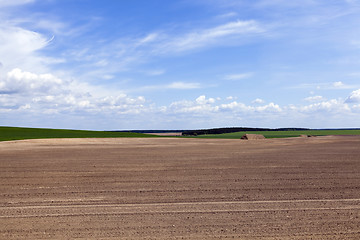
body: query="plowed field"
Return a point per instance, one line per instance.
(175, 188)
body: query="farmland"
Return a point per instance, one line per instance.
(180, 188)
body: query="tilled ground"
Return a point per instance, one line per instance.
(168, 188)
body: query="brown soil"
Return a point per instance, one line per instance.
(167, 188)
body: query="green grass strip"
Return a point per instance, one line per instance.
(17, 133)
(282, 134)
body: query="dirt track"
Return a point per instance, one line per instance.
(300, 188)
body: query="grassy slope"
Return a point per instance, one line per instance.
(282, 134)
(15, 133)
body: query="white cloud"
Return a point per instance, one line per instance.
(354, 97)
(21, 48)
(123, 53)
(149, 38)
(8, 3)
(45, 93)
(338, 84)
(202, 100)
(258, 101)
(19, 40)
(235, 106)
(241, 107)
(271, 107)
(98, 58)
(351, 1)
(19, 81)
(285, 3)
(354, 74)
(238, 76)
(228, 15)
(326, 86)
(155, 72)
(356, 106)
(108, 76)
(201, 105)
(355, 43)
(216, 35)
(231, 98)
(326, 110)
(333, 105)
(315, 99)
(183, 85)
(54, 26)
(171, 86)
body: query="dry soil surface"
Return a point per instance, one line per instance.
(173, 188)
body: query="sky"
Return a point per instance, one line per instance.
(180, 64)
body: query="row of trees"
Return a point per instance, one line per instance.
(234, 129)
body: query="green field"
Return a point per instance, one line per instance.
(282, 134)
(15, 133)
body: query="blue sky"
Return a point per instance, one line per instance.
(181, 64)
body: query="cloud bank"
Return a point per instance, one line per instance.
(45, 94)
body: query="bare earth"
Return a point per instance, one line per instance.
(168, 188)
